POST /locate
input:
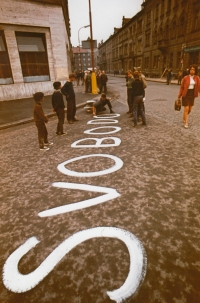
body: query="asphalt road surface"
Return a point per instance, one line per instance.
(136, 227)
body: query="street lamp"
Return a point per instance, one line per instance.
(79, 44)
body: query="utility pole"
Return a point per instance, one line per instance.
(94, 80)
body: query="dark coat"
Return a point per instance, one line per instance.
(38, 114)
(68, 91)
(57, 100)
(137, 88)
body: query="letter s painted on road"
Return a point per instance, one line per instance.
(16, 282)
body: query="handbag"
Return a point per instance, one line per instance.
(177, 104)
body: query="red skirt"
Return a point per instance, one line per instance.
(188, 100)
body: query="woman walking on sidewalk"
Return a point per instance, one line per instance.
(189, 90)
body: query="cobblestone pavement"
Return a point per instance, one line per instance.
(158, 203)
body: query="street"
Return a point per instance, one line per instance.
(137, 219)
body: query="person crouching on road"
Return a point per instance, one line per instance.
(40, 120)
(68, 91)
(99, 105)
(189, 90)
(137, 97)
(58, 107)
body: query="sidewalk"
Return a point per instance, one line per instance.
(162, 80)
(20, 111)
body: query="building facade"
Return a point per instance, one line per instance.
(35, 48)
(164, 34)
(82, 59)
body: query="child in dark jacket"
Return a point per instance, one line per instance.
(58, 107)
(40, 120)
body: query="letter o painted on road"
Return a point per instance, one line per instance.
(118, 164)
(90, 131)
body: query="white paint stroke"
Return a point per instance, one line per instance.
(116, 129)
(103, 121)
(104, 116)
(98, 144)
(118, 164)
(18, 283)
(110, 193)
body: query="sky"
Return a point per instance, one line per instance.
(106, 14)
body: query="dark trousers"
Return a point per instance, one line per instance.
(138, 108)
(42, 133)
(71, 109)
(103, 87)
(129, 100)
(87, 86)
(61, 118)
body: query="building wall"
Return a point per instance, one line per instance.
(34, 17)
(164, 34)
(82, 58)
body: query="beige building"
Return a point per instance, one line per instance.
(164, 34)
(35, 47)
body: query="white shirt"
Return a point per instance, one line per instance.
(192, 82)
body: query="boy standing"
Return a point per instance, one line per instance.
(68, 91)
(40, 120)
(58, 107)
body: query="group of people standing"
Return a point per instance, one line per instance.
(86, 79)
(136, 84)
(58, 107)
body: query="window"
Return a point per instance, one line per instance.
(5, 69)
(169, 5)
(148, 17)
(173, 30)
(197, 20)
(147, 39)
(178, 60)
(162, 7)
(156, 61)
(146, 62)
(171, 60)
(181, 26)
(157, 11)
(33, 56)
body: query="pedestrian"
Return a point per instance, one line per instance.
(40, 122)
(189, 90)
(58, 107)
(185, 72)
(137, 97)
(68, 91)
(99, 105)
(103, 79)
(88, 82)
(180, 73)
(169, 76)
(129, 82)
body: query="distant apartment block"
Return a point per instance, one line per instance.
(164, 34)
(82, 59)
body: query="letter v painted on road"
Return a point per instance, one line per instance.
(110, 193)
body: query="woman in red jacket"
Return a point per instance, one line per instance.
(189, 90)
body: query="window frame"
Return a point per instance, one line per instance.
(5, 59)
(34, 64)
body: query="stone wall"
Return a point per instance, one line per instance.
(20, 15)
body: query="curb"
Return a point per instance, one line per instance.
(24, 121)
